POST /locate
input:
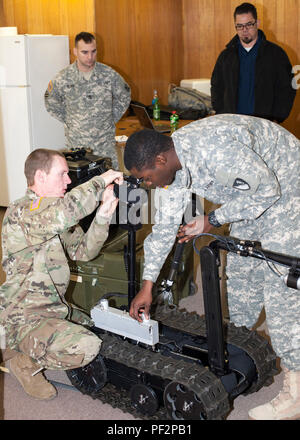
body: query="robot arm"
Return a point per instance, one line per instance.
(247, 248)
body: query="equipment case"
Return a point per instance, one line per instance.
(107, 274)
(83, 166)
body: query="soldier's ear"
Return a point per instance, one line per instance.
(75, 51)
(39, 176)
(160, 159)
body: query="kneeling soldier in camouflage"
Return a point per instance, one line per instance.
(37, 230)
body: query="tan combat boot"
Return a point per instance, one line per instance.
(36, 386)
(286, 406)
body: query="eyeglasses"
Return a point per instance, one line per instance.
(250, 25)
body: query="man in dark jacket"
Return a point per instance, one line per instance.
(252, 76)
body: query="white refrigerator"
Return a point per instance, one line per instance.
(27, 64)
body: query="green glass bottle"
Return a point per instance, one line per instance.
(174, 121)
(156, 106)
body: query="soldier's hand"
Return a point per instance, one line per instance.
(141, 302)
(108, 204)
(190, 230)
(111, 176)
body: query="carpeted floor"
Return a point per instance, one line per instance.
(70, 404)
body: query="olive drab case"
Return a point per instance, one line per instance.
(107, 274)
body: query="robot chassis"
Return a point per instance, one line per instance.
(179, 365)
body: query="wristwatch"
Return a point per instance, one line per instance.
(212, 220)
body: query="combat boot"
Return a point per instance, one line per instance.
(35, 385)
(286, 406)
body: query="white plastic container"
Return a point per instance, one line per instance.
(201, 84)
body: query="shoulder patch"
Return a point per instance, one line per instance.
(241, 184)
(247, 183)
(35, 204)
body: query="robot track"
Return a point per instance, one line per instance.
(191, 391)
(187, 382)
(251, 342)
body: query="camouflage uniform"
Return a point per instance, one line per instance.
(90, 108)
(249, 166)
(36, 233)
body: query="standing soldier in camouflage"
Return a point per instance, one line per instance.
(89, 98)
(37, 230)
(249, 166)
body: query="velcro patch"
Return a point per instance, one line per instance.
(50, 87)
(35, 204)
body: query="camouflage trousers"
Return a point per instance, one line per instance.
(102, 149)
(107, 150)
(251, 284)
(55, 344)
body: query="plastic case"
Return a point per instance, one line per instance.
(84, 165)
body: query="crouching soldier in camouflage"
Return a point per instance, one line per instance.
(250, 167)
(37, 230)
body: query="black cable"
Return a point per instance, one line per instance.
(269, 262)
(217, 237)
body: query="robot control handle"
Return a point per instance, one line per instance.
(176, 260)
(177, 256)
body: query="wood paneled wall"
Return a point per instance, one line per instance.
(57, 17)
(155, 42)
(142, 39)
